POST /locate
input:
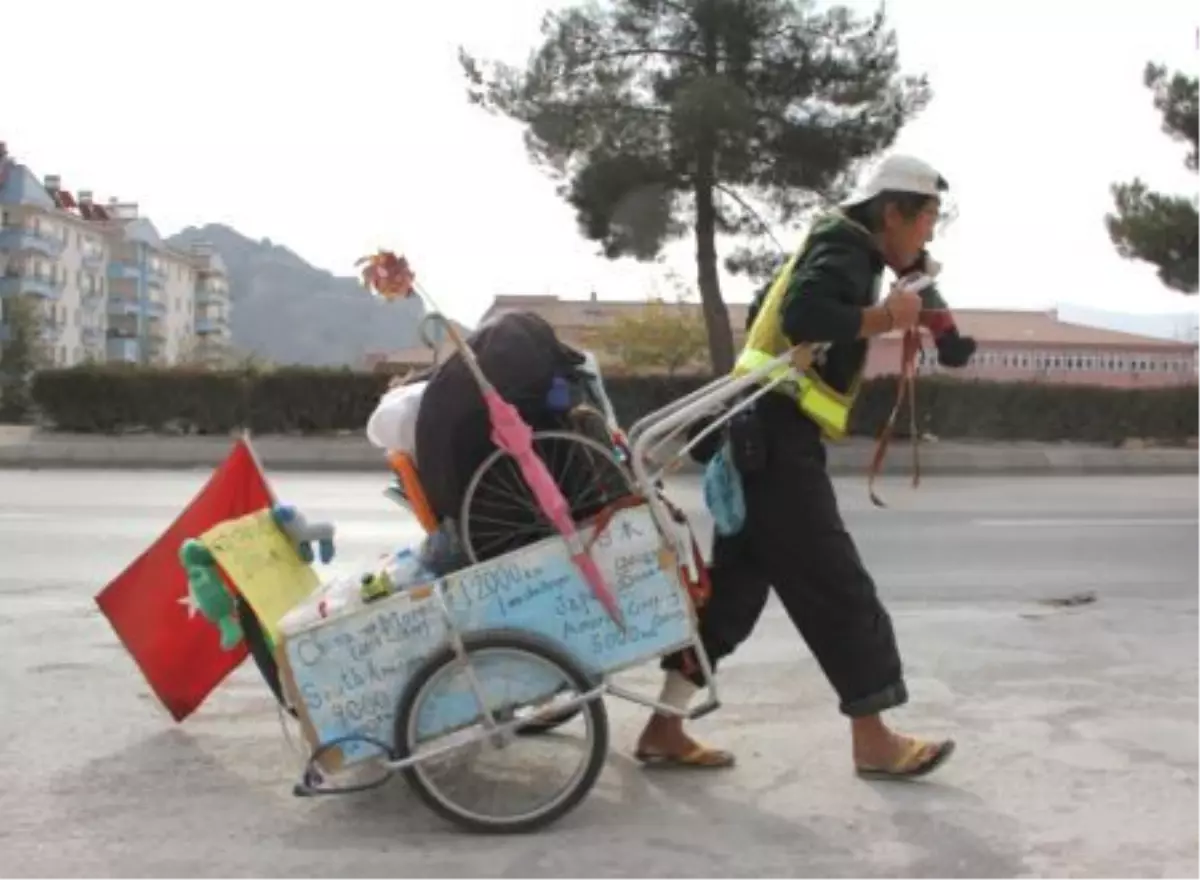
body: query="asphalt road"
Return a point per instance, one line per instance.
(1077, 725)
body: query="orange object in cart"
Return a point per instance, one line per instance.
(406, 470)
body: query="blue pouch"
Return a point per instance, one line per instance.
(558, 399)
(723, 493)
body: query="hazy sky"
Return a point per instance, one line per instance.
(335, 128)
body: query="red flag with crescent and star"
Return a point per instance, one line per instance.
(149, 605)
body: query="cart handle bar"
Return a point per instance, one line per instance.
(662, 422)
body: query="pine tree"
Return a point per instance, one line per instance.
(661, 117)
(1150, 226)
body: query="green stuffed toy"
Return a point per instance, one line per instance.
(216, 602)
(209, 593)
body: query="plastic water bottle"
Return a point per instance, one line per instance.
(404, 569)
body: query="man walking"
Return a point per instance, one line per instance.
(793, 538)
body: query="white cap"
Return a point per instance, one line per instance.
(901, 174)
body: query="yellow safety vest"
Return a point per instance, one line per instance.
(766, 340)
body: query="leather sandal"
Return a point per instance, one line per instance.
(698, 756)
(917, 758)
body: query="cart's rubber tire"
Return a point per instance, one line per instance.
(535, 728)
(514, 640)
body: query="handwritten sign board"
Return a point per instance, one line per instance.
(345, 675)
(257, 556)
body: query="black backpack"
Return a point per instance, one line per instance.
(521, 356)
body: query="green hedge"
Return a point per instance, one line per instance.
(114, 399)
(120, 399)
(958, 409)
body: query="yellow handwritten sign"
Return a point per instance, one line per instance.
(263, 566)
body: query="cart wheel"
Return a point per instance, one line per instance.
(499, 784)
(500, 513)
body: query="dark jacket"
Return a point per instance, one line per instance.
(837, 276)
(835, 279)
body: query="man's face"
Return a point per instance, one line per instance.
(905, 237)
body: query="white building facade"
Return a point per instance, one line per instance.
(105, 284)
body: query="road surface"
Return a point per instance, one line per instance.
(1077, 725)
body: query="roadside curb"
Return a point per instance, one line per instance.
(353, 453)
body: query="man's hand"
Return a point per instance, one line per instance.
(903, 307)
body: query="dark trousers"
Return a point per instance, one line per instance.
(795, 541)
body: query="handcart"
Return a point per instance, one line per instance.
(578, 568)
(464, 684)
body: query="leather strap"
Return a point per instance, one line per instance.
(906, 386)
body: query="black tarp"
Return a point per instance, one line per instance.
(521, 356)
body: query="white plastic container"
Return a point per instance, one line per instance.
(337, 596)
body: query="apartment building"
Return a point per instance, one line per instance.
(54, 259)
(106, 285)
(211, 317)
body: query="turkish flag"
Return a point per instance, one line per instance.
(148, 605)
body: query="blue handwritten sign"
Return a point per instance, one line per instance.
(346, 674)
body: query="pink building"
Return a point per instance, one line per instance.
(1037, 346)
(1014, 346)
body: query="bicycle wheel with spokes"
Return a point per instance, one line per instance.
(500, 513)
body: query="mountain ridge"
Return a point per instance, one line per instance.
(287, 311)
